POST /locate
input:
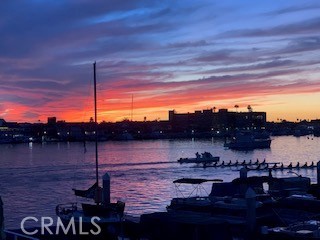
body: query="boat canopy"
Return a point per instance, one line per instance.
(195, 180)
(253, 180)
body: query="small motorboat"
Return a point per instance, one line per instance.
(204, 158)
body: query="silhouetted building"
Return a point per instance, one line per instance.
(2, 122)
(52, 120)
(223, 120)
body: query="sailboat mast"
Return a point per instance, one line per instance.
(96, 120)
(131, 107)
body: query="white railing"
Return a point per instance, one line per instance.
(18, 236)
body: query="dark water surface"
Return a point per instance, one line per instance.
(34, 178)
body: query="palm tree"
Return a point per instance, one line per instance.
(236, 106)
(249, 108)
(214, 109)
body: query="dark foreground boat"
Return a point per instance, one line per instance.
(297, 231)
(288, 202)
(226, 198)
(204, 158)
(101, 214)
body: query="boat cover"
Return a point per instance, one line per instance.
(89, 193)
(195, 180)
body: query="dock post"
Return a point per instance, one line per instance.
(243, 185)
(251, 210)
(243, 173)
(318, 172)
(2, 235)
(106, 189)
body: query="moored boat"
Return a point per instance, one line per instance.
(205, 157)
(247, 140)
(100, 217)
(300, 230)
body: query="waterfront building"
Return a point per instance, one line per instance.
(221, 121)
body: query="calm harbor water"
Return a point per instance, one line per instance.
(34, 178)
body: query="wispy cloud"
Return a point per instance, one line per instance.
(304, 27)
(295, 8)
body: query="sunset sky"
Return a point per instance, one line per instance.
(185, 55)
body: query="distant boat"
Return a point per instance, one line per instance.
(125, 136)
(247, 140)
(316, 131)
(110, 214)
(204, 158)
(300, 132)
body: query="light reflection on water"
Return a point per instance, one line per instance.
(37, 177)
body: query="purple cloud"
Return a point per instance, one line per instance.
(159, 50)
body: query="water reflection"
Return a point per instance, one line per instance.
(141, 172)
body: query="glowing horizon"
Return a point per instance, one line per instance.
(168, 55)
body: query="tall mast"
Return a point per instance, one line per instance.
(131, 107)
(96, 120)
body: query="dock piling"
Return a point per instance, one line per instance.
(318, 172)
(106, 189)
(251, 209)
(243, 173)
